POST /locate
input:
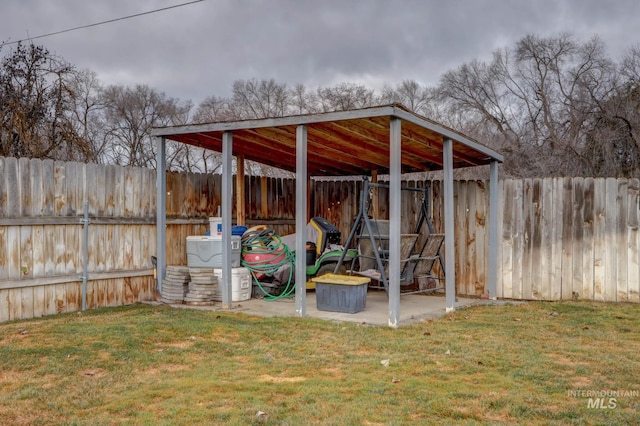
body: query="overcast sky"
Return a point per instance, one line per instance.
(200, 49)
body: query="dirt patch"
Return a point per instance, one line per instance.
(561, 359)
(92, 373)
(164, 368)
(271, 379)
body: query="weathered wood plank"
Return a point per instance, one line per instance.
(610, 242)
(49, 250)
(3, 189)
(102, 246)
(621, 284)
(26, 299)
(4, 306)
(13, 253)
(633, 241)
(60, 188)
(549, 245)
(538, 240)
(48, 188)
(588, 240)
(60, 298)
(507, 238)
(599, 238)
(24, 187)
(73, 253)
(460, 218)
(527, 240)
(566, 236)
(577, 219)
(12, 206)
(470, 261)
(14, 298)
(4, 253)
(49, 299)
(73, 292)
(32, 188)
(518, 239)
(110, 189)
(26, 252)
(91, 194)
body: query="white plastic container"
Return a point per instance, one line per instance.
(206, 251)
(240, 284)
(215, 226)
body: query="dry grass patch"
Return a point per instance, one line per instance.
(158, 365)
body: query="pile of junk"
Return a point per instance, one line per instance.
(271, 261)
(263, 262)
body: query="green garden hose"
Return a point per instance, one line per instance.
(267, 243)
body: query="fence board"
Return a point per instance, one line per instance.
(14, 297)
(3, 188)
(59, 188)
(527, 249)
(633, 241)
(537, 252)
(4, 253)
(622, 288)
(588, 240)
(599, 236)
(49, 300)
(12, 207)
(507, 239)
(48, 188)
(4, 305)
(611, 246)
(518, 240)
(577, 236)
(32, 187)
(556, 225)
(566, 238)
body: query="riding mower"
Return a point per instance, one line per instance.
(324, 253)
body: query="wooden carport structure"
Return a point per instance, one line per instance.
(383, 139)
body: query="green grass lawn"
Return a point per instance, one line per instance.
(483, 365)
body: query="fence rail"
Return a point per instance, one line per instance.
(559, 238)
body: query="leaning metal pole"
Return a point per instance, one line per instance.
(85, 254)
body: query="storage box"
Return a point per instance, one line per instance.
(341, 293)
(240, 284)
(215, 226)
(206, 251)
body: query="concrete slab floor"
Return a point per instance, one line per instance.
(413, 308)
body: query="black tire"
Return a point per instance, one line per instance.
(329, 267)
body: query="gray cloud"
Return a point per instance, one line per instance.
(199, 50)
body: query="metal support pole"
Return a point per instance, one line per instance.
(85, 254)
(395, 216)
(494, 198)
(301, 220)
(449, 227)
(227, 192)
(161, 212)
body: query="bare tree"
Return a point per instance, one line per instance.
(303, 101)
(35, 106)
(259, 99)
(538, 102)
(346, 96)
(130, 114)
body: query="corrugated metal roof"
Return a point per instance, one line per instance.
(341, 143)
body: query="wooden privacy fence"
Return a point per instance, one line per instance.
(559, 239)
(41, 234)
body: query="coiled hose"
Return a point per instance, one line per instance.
(267, 245)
